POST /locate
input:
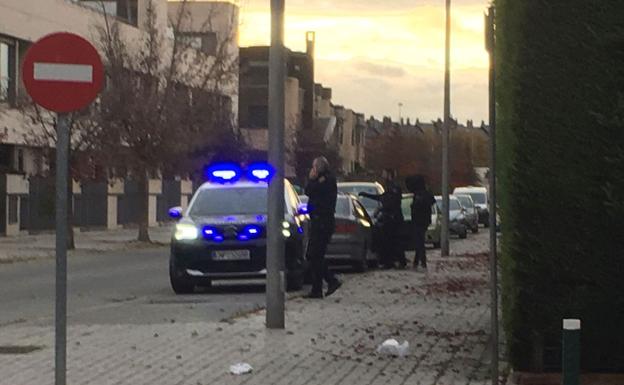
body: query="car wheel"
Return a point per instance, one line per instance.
(179, 284)
(463, 234)
(437, 245)
(475, 229)
(294, 280)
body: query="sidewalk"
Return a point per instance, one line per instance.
(26, 246)
(443, 314)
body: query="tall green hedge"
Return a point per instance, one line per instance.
(560, 95)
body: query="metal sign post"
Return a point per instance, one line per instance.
(276, 278)
(62, 72)
(60, 321)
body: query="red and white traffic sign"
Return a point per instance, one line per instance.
(62, 72)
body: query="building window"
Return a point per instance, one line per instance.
(20, 160)
(6, 80)
(125, 10)
(258, 116)
(205, 42)
(353, 137)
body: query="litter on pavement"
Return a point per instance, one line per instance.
(240, 368)
(393, 348)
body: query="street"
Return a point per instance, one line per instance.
(127, 326)
(130, 287)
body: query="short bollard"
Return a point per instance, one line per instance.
(571, 352)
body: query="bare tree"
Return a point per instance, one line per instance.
(165, 102)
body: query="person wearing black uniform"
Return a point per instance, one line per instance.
(391, 250)
(421, 216)
(322, 192)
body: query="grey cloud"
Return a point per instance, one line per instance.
(380, 69)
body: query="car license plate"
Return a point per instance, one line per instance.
(231, 255)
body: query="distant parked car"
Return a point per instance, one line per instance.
(457, 224)
(480, 198)
(471, 213)
(433, 231)
(352, 239)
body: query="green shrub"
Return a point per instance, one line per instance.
(560, 95)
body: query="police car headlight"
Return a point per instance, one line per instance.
(185, 231)
(286, 225)
(365, 223)
(286, 233)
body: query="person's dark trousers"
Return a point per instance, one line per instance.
(421, 253)
(392, 252)
(320, 236)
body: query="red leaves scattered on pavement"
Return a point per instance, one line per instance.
(463, 285)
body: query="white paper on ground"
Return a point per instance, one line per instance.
(240, 368)
(393, 348)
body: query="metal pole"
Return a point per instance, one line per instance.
(571, 342)
(276, 285)
(490, 42)
(62, 147)
(445, 135)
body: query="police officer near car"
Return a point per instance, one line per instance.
(391, 250)
(322, 192)
(421, 216)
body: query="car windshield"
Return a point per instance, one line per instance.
(369, 204)
(343, 208)
(465, 201)
(478, 198)
(230, 201)
(453, 204)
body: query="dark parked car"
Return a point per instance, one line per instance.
(352, 240)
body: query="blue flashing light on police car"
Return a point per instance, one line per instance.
(260, 172)
(224, 172)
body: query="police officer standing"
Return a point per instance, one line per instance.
(390, 222)
(322, 192)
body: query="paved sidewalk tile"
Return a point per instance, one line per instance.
(443, 314)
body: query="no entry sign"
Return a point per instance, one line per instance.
(62, 72)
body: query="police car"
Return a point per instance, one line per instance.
(223, 232)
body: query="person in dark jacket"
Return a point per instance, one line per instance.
(322, 192)
(421, 216)
(391, 250)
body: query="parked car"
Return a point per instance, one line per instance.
(480, 198)
(222, 234)
(354, 188)
(457, 224)
(352, 240)
(433, 231)
(471, 213)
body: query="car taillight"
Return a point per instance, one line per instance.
(346, 228)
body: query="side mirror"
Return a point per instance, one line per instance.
(302, 209)
(175, 212)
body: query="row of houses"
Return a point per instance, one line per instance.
(314, 123)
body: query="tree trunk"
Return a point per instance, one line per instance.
(143, 207)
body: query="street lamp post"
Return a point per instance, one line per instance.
(490, 45)
(444, 247)
(276, 285)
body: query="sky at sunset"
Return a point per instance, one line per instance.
(375, 54)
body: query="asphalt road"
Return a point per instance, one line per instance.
(116, 288)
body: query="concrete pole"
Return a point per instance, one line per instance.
(276, 279)
(445, 136)
(490, 43)
(60, 319)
